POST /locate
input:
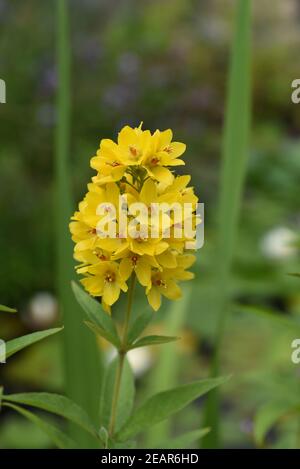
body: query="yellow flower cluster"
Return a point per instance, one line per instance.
(131, 173)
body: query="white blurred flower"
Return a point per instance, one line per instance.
(140, 359)
(42, 309)
(279, 243)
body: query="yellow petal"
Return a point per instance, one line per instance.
(143, 272)
(165, 138)
(111, 293)
(127, 136)
(154, 298)
(162, 174)
(176, 149)
(148, 192)
(92, 285)
(185, 261)
(167, 259)
(172, 291)
(125, 268)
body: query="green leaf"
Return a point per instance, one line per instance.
(6, 309)
(60, 439)
(164, 404)
(294, 275)
(268, 416)
(99, 331)
(130, 444)
(56, 404)
(96, 314)
(184, 441)
(1, 394)
(139, 326)
(126, 395)
(152, 340)
(13, 346)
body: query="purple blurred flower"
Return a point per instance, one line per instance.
(129, 65)
(46, 115)
(119, 96)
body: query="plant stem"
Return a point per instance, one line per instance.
(122, 355)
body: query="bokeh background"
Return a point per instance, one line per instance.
(166, 64)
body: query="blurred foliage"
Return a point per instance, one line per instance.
(164, 63)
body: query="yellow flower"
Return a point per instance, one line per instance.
(105, 280)
(165, 282)
(162, 284)
(141, 265)
(108, 162)
(114, 238)
(164, 153)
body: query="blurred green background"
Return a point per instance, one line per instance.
(166, 64)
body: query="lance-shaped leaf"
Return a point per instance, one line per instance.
(96, 314)
(126, 395)
(164, 404)
(59, 438)
(6, 309)
(101, 332)
(56, 404)
(14, 345)
(139, 326)
(184, 441)
(152, 340)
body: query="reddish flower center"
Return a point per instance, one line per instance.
(154, 161)
(160, 283)
(109, 277)
(168, 149)
(134, 151)
(134, 260)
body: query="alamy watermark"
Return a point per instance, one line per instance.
(295, 356)
(2, 351)
(2, 92)
(157, 220)
(295, 96)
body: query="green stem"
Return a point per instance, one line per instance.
(122, 355)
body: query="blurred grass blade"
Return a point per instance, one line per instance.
(82, 372)
(60, 439)
(234, 159)
(276, 317)
(268, 416)
(6, 309)
(165, 373)
(14, 345)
